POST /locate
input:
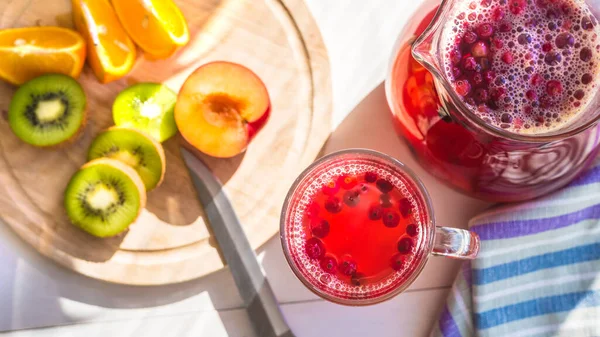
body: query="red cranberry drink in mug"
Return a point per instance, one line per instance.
(503, 102)
(357, 228)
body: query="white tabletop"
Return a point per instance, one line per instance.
(39, 298)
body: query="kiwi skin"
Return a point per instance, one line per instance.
(133, 175)
(66, 142)
(157, 145)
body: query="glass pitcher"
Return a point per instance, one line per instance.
(457, 146)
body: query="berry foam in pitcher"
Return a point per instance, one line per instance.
(524, 66)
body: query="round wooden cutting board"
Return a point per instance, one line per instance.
(171, 241)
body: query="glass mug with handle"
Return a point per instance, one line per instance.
(357, 228)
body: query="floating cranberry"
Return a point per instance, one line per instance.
(489, 76)
(585, 54)
(484, 63)
(586, 23)
(328, 264)
(390, 218)
(586, 79)
(486, 3)
(462, 87)
(370, 177)
(498, 44)
(506, 118)
(314, 248)
(384, 186)
(397, 261)
(333, 205)
(498, 14)
(479, 49)
(536, 80)
(497, 93)
(564, 40)
(516, 6)
(470, 64)
(554, 88)
(319, 227)
(484, 30)
(507, 57)
(456, 72)
(385, 200)
(505, 27)
(470, 37)
(524, 39)
(477, 79)
(313, 209)
(531, 95)
(347, 182)
(455, 56)
(351, 198)
(331, 188)
(579, 94)
(358, 279)
(405, 207)
(565, 8)
(375, 212)
(347, 266)
(546, 47)
(405, 245)
(412, 230)
(552, 58)
(481, 95)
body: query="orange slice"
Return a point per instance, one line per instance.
(111, 53)
(156, 26)
(26, 53)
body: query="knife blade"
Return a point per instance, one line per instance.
(252, 284)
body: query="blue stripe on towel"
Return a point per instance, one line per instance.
(539, 306)
(516, 228)
(531, 264)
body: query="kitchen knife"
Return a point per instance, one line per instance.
(252, 284)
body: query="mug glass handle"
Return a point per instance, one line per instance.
(456, 243)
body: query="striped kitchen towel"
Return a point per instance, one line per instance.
(538, 271)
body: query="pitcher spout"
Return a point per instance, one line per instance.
(426, 49)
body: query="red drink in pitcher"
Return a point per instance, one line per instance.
(357, 228)
(503, 101)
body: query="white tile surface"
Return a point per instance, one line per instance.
(359, 35)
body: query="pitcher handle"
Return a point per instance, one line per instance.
(455, 243)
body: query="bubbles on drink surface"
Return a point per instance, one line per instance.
(526, 66)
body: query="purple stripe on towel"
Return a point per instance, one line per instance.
(514, 228)
(447, 325)
(591, 176)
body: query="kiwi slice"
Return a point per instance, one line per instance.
(104, 197)
(47, 110)
(134, 148)
(147, 107)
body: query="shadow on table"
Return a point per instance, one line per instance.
(36, 287)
